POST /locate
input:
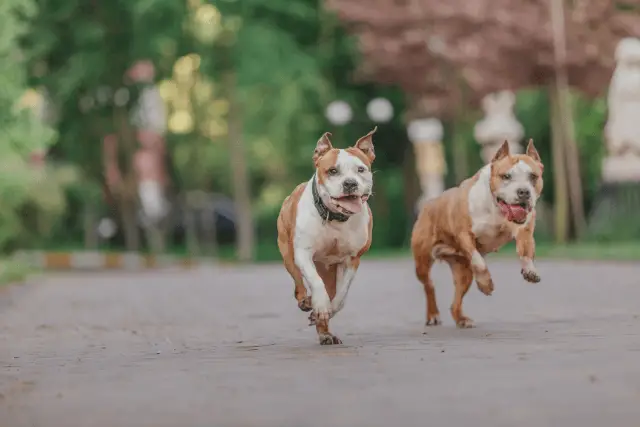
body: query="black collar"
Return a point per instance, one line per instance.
(322, 209)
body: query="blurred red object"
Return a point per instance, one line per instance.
(428, 46)
(142, 71)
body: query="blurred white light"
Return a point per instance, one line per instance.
(150, 112)
(121, 97)
(436, 44)
(107, 228)
(103, 94)
(152, 200)
(425, 130)
(339, 113)
(380, 110)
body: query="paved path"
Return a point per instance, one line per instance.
(229, 348)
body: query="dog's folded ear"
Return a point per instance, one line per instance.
(365, 144)
(323, 145)
(502, 152)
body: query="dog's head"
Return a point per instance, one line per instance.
(345, 180)
(516, 181)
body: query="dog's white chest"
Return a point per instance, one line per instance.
(490, 233)
(337, 242)
(487, 225)
(329, 242)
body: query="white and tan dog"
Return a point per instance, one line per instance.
(324, 227)
(479, 216)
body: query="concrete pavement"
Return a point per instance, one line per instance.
(228, 347)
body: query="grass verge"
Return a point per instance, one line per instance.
(268, 252)
(544, 250)
(590, 251)
(13, 271)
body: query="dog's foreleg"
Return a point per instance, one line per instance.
(478, 264)
(319, 296)
(346, 274)
(526, 248)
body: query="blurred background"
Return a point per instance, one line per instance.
(179, 126)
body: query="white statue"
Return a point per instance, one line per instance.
(426, 136)
(499, 124)
(622, 131)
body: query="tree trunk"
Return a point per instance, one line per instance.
(130, 224)
(411, 182)
(191, 232)
(573, 170)
(155, 237)
(460, 157)
(208, 221)
(564, 113)
(561, 202)
(89, 224)
(460, 149)
(240, 175)
(127, 193)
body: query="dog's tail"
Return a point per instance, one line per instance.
(441, 251)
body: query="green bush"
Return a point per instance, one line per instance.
(30, 196)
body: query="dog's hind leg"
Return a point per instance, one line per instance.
(423, 272)
(422, 248)
(476, 262)
(462, 277)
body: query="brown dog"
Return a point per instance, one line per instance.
(479, 216)
(324, 227)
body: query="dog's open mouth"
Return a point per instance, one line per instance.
(351, 204)
(514, 212)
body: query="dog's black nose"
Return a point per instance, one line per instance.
(523, 193)
(349, 185)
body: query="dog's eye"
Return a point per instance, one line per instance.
(506, 176)
(362, 169)
(332, 171)
(533, 177)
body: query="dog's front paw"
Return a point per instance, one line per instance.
(328, 339)
(433, 319)
(530, 275)
(465, 323)
(312, 318)
(321, 307)
(305, 304)
(485, 286)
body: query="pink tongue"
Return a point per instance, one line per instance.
(514, 212)
(352, 205)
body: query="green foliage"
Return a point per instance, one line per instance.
(532, 110)
(31, 196)
(13, 271)
(289, 59)
(80, 52)
(590, 117)
(77, 51)
(614, 217)
(282, 61)
(268, 46)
